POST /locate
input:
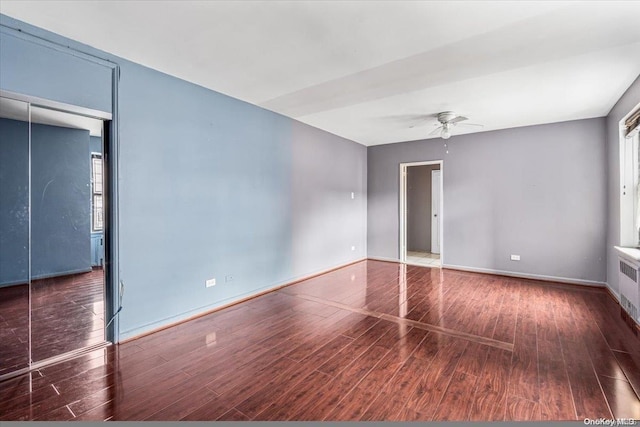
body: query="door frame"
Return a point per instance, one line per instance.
(402, 238)
(439, 204)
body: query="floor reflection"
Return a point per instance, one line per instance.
(14, 328)
(66, 313)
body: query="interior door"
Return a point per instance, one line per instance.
(404, 226)
(435, 210)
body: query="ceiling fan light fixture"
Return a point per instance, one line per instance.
(446, 133)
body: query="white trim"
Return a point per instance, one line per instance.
(170, 321)
(509, 274)
(627, 186)
(632, 254)
(615, 293)
(57, 106)
(93, 192)
(527, 275)
(402, 241)
(385, 259)
(436, 172)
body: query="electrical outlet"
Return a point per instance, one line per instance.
(353, 195)
(515, 257)
(209, 283)
(228, 279)
(353, 248)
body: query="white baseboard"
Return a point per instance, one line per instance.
(614, 293)
(510, 274)
(167, 322)
(380, 258)
(383, 259)
(568, 280)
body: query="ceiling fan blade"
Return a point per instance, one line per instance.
(470, 125)
(458, 119)
(420, 122)
(436, 130)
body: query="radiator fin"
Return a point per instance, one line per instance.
(628, 271)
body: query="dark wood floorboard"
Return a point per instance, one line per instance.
(14, 327)
(490, 398)
(519, 409)
(622, 400)
(370, 341)
(630, 363)
(67, 313)
(185, 406)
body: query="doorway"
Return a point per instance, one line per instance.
(52, 223)
(421, 201)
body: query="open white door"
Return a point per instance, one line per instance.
(435, 211)
(403, 213)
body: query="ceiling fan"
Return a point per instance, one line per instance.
(448, 122)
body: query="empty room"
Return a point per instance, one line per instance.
(320, 211)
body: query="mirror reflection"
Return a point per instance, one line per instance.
(67, 280)
(14, 235)
(51, 234)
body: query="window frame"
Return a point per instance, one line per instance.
(629, 156)
(94, 194)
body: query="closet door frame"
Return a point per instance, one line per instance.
(112, 292)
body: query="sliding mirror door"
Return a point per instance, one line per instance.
(14, 236)
(67, 278)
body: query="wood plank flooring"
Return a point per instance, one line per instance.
(14, 328)
(370, 341)
(67, 313)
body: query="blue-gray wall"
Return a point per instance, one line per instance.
(537, 191)
(60, 197)
(60, 201)
(326, 221)
(209, 186)
(14, 202)
(625, 104)
(95, 144)
(51, 72)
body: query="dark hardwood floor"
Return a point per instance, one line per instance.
(67, 313)
(14, 328)
(371, 341)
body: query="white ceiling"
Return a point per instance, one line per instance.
(369, 70)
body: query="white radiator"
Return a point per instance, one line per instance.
(629, 288)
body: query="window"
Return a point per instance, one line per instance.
(630, 179)
(97, 223)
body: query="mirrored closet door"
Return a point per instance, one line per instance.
(14, 236)
(52, 287)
